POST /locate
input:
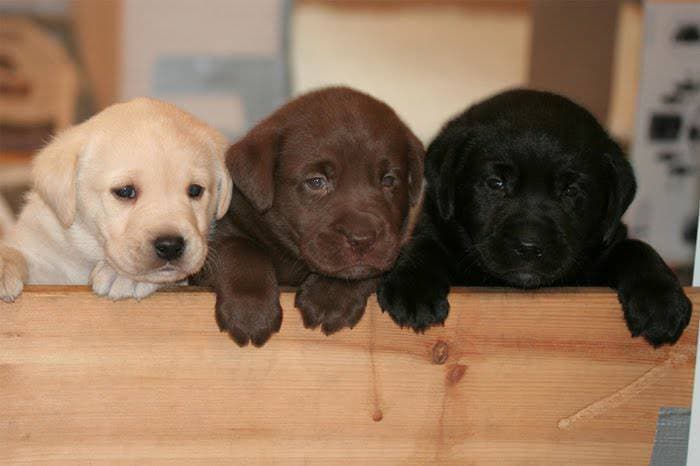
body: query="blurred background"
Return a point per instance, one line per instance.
(635, 65)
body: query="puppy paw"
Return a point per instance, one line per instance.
(411, 305)
(332, 304)
(330, 314)
(13, 272)
(658, 310)
(107, 282)
(248, 319)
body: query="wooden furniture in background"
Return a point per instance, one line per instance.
(547, 377)
(98, 28)
(573, 45)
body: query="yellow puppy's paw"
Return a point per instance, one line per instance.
(108, 282)
(13, 273)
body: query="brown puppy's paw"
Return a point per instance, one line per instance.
(332, 304)
(248, 319)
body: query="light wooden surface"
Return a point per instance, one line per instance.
(548, 377)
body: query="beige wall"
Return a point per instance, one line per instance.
(427, 62)
(428, 59)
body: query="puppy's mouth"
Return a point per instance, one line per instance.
(343, 264)
(167, 268)
(358, 269)
(523, 275)
(165, 273)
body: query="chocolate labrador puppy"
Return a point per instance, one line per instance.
(325, 192)
(526, 189)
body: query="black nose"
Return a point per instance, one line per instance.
(169, 247)
(359, 239)
(528, 249)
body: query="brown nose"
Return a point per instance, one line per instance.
(359, 238)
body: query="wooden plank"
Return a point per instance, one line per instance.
(547, 377)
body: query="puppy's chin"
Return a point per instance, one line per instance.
(356, 270)
(340, 262)
(506, 267)
(526, 279)
(162, 275)
(165, 274)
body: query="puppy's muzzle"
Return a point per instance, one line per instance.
(359, 238)
(528, 249)
(528, 240)
(169, 248)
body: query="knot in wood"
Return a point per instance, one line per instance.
(440, 352)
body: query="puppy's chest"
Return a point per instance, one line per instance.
(290, 271)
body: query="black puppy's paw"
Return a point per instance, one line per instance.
(246, 319)
(413, 305)
(658, 310)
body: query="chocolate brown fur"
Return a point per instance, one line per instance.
(326, 190)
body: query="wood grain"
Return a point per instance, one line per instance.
(548, 377)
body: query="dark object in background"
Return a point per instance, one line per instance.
(665, 127)
(24, 139)
(326, 190)
(689, 33)
(526, 189)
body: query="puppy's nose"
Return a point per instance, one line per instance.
(169, 247)
(528, 249)
(360, 240)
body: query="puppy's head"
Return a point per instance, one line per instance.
(143, 178)
(534, 182)
(338, 177)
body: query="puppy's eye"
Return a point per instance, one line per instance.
(195, 191)
(316, 183)
(571, 191)
(125, 192)
(389, 181)
(496, 184)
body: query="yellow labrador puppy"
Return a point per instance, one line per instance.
(124, 201)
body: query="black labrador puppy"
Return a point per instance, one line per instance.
(526, 189)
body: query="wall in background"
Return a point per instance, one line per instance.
(426, 59)
(430, 59)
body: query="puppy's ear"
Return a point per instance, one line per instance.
(441, 173)
(416, 181)
(224, 185)
(621, 190)
(54, 171)
(251, 162)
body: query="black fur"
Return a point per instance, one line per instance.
(526, 189)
